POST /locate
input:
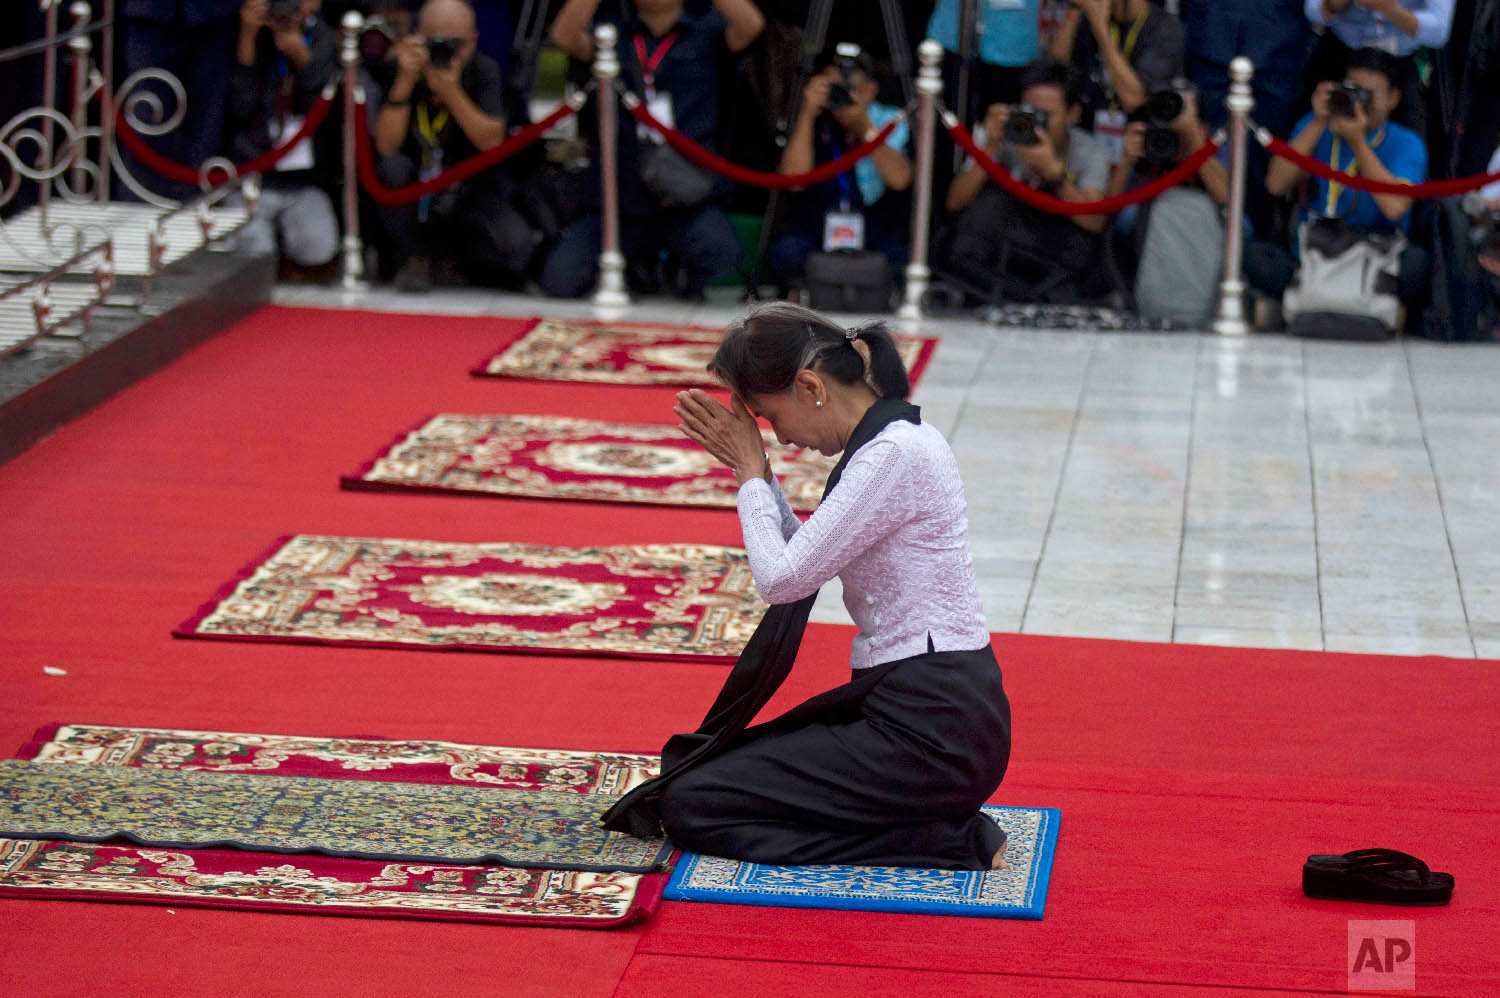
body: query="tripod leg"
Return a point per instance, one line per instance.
(813, 37)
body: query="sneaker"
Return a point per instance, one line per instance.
(415, 276)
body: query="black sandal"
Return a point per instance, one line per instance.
(1380, 876)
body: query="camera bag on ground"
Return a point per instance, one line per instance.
(672, 180)
(1181, 259)
(846, 281)
(1346, 284)
(1463, 305)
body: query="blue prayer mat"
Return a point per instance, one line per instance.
(1020, 891)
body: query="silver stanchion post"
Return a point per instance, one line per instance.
(929, 86)
(1241, 101)
(49, 101)
(80, 46)
(354, 250)
(106, 99)
(611, 290)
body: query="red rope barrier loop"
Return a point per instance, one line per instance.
(162, 166)
(757, 178)
(1057, 206)
(1318, 168)
(369, 176)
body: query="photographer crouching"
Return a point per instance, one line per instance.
(284, 56)
(445, 104)
(1348, 128)
(1174, 243)
(998, 242)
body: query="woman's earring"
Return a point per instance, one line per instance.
(818, 403)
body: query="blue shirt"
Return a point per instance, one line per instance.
(1359, 27)
(1007, 29)
(866, 173)
(1399, 149)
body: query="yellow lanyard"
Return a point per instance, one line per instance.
(1131, 37)
(1336, 190)
(430, 129)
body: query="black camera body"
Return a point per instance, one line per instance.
(441, 51)
(1022, 125)
(841, 91)
(284, 15)
(1161, 144)
(1345, 96)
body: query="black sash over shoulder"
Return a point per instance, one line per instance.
(760, 670)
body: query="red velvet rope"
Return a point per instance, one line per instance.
(757, 178)
(1057, 206)
(369, 176)
(159, 164)
(1431, 189)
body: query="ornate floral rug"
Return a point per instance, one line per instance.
(693, 602)
(401, 822)
(634, 353)
(268, 881)
(554, 457)
(1019, 891)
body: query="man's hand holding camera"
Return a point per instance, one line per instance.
(283, 19)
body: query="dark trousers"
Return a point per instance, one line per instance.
(473, 224)
(199, 56)
(1000, 243)
(895, 779)
(700, 238)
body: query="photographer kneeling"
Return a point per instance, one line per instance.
(859, 209)
(997, 238)
(445, 105)
(1174, 242)
(1349, 128)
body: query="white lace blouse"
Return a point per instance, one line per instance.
(895, 531)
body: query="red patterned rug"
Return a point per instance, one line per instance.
(554, 457)
(634, 353)
(235, 878)
(694, 602)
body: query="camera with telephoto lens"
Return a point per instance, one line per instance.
(440, 51)
(284, 15)
(376, 39)
(1160, 143)
(841, 91)
(1022, 125)
(1343, 98)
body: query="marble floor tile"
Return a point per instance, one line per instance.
(1301, 619)
(1238, 637)
(1488, 649)
(1399, 644)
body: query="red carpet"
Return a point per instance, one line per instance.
(1192, 781)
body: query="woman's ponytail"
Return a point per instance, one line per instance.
(887, 371)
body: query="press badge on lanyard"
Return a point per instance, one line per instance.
(658, 105)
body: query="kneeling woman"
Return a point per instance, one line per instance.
(891, 768)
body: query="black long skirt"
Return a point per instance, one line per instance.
(888, 770)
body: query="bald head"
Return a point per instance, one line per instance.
(448, 18)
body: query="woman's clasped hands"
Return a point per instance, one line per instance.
(729, 434)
